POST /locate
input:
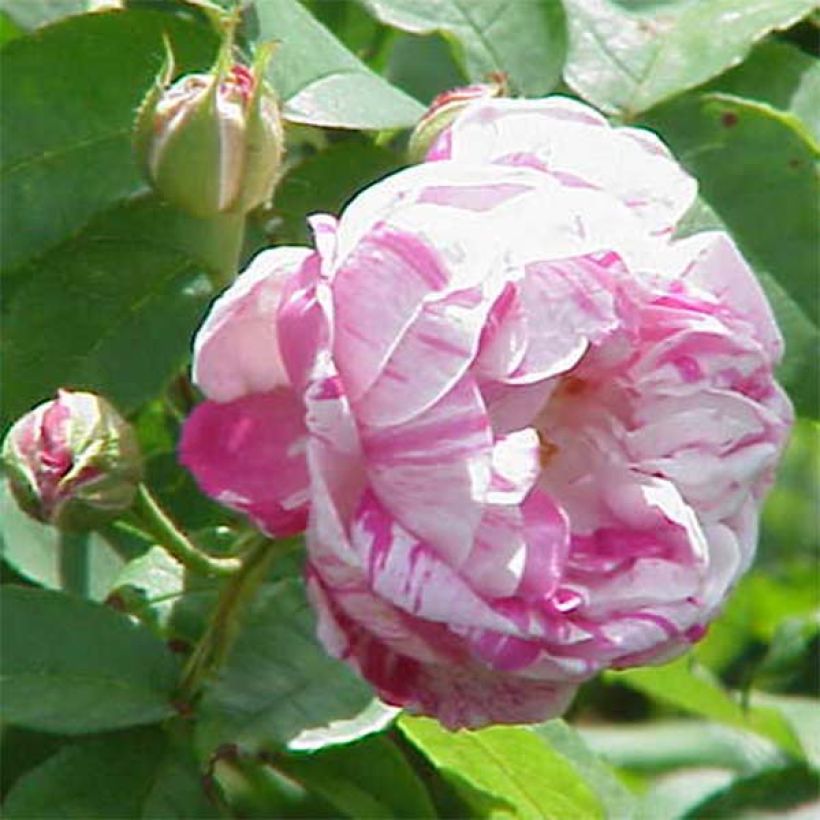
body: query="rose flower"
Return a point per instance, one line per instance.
(528, 432)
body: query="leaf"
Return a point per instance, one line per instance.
(617, 801)
(71, 666)
(802, 715)
(781, 75)
(759, 606)
(65, 143)
(29, 14)
(789, 547)
(775, 791)
(278, 683)
(673, 794)
(517, 771)
(9, 30)
(756, 168)
(525, 39)
(423, 66)
(626, 62)
(373, 718)
(132, 303)
(21, 750)
(369, 778)
(665, 745)
(694, 690)
(320, 81)
(325, 182)
(150, 586)
(140, 773)
(84, 564)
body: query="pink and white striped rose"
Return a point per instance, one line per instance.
(528, 433)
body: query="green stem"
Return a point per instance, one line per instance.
(228, 236)
(223, 626)
(160, 527)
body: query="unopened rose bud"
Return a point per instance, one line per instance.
(211, 143)
(445, 108)
(73, 462)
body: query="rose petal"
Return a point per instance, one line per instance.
(433, 471)
(236, 351)
(565, 136)
(249, 454)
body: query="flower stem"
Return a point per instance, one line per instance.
(159, 526)
(224, 623)
(227, 237)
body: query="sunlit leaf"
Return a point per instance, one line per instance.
(626, 61)
(520, 775)
(525, 39)
(694, 690)
(320, 81)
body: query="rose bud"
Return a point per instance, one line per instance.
(445, 108)
(528, 429)
(211, 143)
(72, 462)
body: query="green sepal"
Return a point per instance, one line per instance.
(144, 130)
(264, 137)
(187, 172)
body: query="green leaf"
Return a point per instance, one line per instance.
(9, 30)
(325, 182)
(21, 750)
(626, 61)
(789, 546)
(525, 39)
(65, 144)
(72, 666)
(140, 773)
(84, 564)
(132, 303)
(665, 745)
(29, 14)
(756, 167)
(150, 586)
(321, 82)
(517, 772)
(675, 793)
(423, 66)
(350, 23)
(695, 690)
(278, 687)
(758, 608)
(369, 778)
(617, 801)
(802, 715)
(781, 75)
(774, 791)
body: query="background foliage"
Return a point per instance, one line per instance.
(104, 285)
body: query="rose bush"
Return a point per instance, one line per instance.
(527, 431)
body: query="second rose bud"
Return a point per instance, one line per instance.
(211, 143)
